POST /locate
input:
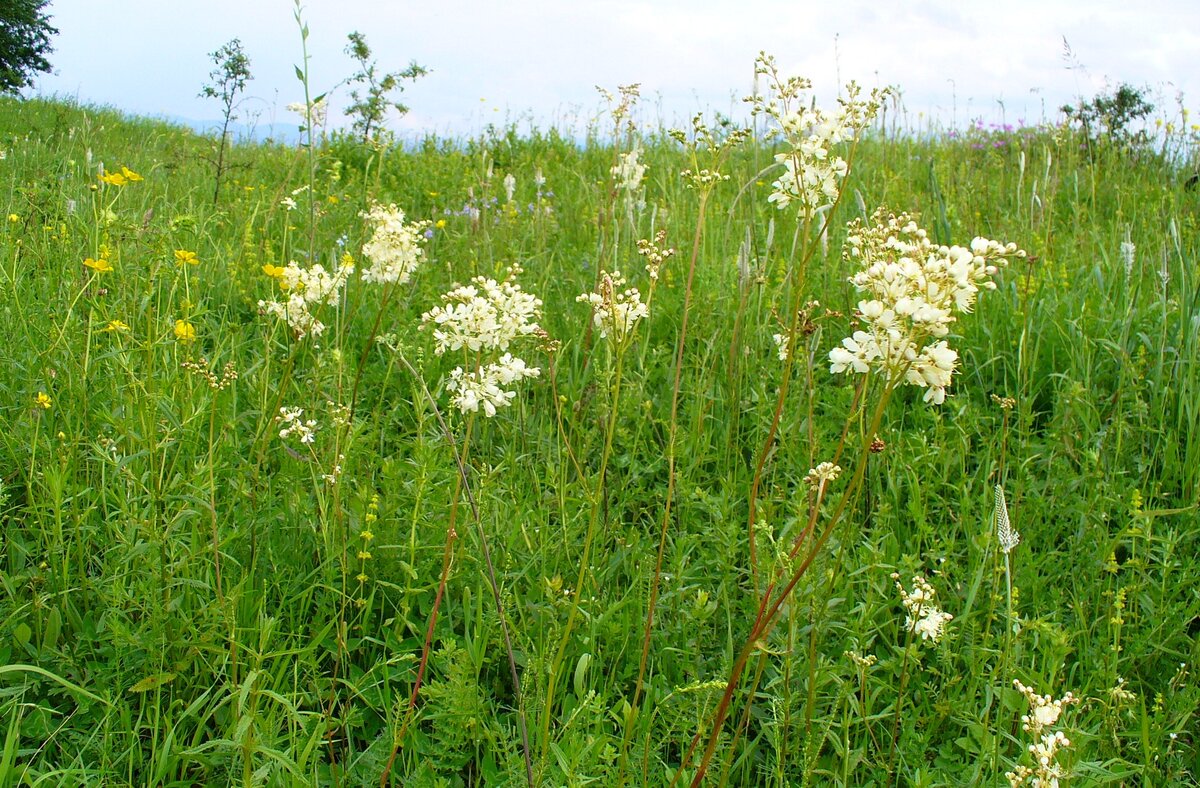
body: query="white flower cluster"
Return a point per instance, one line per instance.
(823, 474)
(615, 310)
(924, 617)
(294, 424)
(813, 171)
(307, 288)
(485, 386)
(1043, 713)
(314, 114)
(656, 253)
(628, 172)
(915, 288)
(485, 317)
(395, 246)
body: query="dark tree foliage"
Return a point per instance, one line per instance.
(370, 106)
(25, 33)
(1110, 114)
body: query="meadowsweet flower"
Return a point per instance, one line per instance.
(485, 386)
(914, 288)
(781, 344)
(812, 170)
(656, 253)
(628, 172)
(184, 257)
(615, 311)
(288, 203)
(313, 114)
(307, 288)
(924, 617)
(294, 423)
(101, 266)
(483, 315)
(185, 331)
(510, 187)
(394, 248)
(1044, 712)
(484, 318)
(823, 474)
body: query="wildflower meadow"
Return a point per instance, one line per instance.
(815, 451)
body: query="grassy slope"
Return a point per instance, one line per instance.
(291, 670)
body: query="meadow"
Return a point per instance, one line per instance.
(521, 459)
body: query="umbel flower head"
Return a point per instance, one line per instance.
(914, 290)
(395, 246)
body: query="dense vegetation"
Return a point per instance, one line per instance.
(191, 599)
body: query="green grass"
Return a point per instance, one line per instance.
(181, 597)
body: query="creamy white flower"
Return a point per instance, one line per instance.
(915, 289)
(395, 248)
(615, 310)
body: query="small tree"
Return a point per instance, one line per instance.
(24, 42)
(229, 78)
(1110, 114)
(370, 105)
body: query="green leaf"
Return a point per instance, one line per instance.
(299, 73)
(152, 682)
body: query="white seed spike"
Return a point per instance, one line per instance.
(1005, 533)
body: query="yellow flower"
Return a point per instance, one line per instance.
(274, 271)
(130, 174)
(185, 331)
(101, 266)
(115, 325)
(184, 257)
(347, 260)
(12, 217)
(332, 199)
(440, 224)
(43, 401)
(114, 179)
(362, 577)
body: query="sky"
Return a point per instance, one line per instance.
(538, 62)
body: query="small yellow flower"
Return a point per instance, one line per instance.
(440, 224)
(362, 577)
(12, 217)
(101, 266)
(363, 555)
(367, 536)
(43, 401)
(347, 260)
(185, 331)
(115, 325)
(332, 199)
(130, 175)
(184, 257)
(274, 271)
(114, 179)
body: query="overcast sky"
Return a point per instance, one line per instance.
(540, 60)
